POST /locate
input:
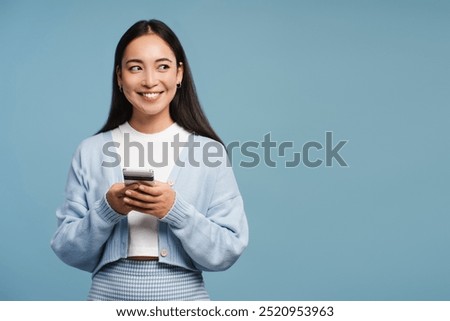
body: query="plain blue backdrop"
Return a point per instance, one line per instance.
(375, 73)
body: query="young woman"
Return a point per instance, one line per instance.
(141, 241)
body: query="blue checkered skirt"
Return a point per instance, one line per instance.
(131, 280)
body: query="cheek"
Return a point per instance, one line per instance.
(128, 97)
(129, 94)
(173, 80)
(171, 85)
(129, 82)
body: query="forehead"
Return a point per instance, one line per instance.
(148, 47)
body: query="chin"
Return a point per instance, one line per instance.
(151, 111)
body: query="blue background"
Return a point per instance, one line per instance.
(375, 73)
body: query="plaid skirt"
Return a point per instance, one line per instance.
(130, 280)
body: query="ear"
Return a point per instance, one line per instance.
(180, 72)
(119, 76)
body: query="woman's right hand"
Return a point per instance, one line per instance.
(115, 196)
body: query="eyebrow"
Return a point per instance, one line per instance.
(135, 60)
(163, 59)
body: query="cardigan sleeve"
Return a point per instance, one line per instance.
(214, 240)
(84, 225)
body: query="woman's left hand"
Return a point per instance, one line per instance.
(156, 200)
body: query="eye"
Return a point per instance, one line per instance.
(134, 68)
(163, 67)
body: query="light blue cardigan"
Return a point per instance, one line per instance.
(205, 230)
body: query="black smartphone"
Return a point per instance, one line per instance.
(138, 175)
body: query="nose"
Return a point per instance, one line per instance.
(149, 79)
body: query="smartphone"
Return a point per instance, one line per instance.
(138, 175)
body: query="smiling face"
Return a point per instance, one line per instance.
(149, 75)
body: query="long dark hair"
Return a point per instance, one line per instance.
(185, 108)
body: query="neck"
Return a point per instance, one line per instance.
(150, 124)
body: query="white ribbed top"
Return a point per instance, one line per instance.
(139, 150)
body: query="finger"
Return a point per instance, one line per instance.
(131, 186)
(138, 204)
(125, 188)
(151, 190)
(139, 196)
(116, 188)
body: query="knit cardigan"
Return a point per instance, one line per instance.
(205, 230)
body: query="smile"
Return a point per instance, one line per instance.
(151, 95)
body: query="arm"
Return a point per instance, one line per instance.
(215, 239)
(84, 223)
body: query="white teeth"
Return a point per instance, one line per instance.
(150, 95)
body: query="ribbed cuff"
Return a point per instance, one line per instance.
(180, 211)
(107, 213)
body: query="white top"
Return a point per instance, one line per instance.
(145, 151)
